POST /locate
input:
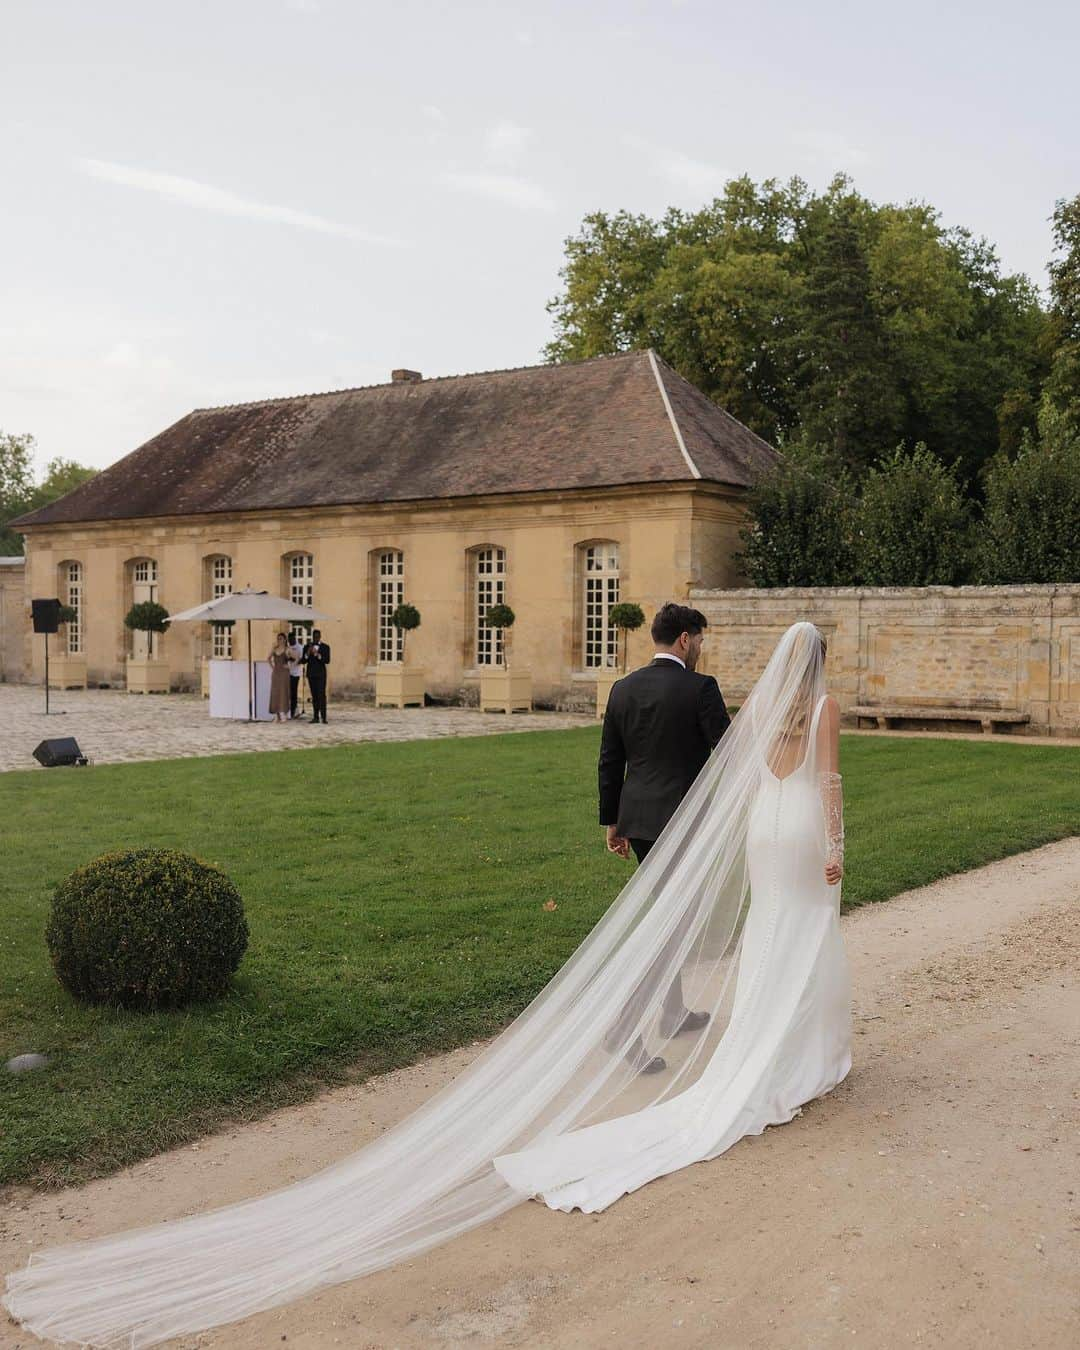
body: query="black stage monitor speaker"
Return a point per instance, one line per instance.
(61, 751)
(46, 615)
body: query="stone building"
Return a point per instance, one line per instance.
(13, 619)
(558, 490)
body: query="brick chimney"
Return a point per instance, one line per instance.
(406, 376)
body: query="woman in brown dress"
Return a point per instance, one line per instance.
(279, 659)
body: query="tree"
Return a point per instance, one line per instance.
(819, 316)
(914, 523)
(627, 618)
(800, 523)
(502, 616)
(16, 484)
(405, 618)
(1062, 389)
(147, 617)
(18, 491)
(1031, 520)
(850, 401)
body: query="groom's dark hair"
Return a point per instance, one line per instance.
(672, 619)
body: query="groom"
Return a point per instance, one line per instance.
(661, 725)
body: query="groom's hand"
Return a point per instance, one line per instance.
(617, 843)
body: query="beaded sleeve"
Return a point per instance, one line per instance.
(832, 806)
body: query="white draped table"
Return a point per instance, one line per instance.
(229, 689)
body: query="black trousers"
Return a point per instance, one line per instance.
(641, 848)
(294, 690)
(674, 1007)
(318, 698)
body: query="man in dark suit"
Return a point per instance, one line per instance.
(316, 658)
(662, 723)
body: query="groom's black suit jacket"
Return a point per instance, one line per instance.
(661, 725)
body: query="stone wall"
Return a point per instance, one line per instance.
(13, 620)
(991, 647)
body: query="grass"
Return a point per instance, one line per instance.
(395, 896)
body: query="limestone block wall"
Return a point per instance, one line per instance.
(995, 647)
(669, 537)
(13, 620)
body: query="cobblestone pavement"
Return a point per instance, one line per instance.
(114, 727)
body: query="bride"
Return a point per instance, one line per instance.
(739, 898)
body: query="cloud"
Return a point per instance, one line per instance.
(125, 355)
(506, 141)
(683, 170)
(825, 147)
(509, 190)
(204, 197)
(304, 6)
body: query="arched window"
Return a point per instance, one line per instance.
(600, 593)
(489, 588)
(390, 592)
(144, 588)
(219, 582)
(301, 577)
(71, 587)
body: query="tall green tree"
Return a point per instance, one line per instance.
(800, 528)
(1062, 390)
(820, 316)
(19, 492)
(914, 523)
(16, 484)
(1031, 521)
(850, 400)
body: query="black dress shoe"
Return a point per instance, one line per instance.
(314, 721)
(639, 1059)
(691, 1021)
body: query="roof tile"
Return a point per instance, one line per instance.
(587, 424)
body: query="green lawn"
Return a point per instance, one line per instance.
(395, 896)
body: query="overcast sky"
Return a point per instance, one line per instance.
(213, 202)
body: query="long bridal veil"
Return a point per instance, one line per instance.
(567, 1062)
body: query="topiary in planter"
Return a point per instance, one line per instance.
(146, 928)
(147, 617)
(628, 618)
(405, 618)
(502, 616)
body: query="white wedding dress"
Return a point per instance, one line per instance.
(731, 906)
(789, 1035)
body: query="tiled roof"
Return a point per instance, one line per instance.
(598, 423)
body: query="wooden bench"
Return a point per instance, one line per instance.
(886, 716)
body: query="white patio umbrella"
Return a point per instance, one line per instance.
(248, 604)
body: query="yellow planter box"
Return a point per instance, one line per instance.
(147, 676)
(506, 691)
(67, 672)
(604, 680)
(399, 686)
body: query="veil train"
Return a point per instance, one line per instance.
(552, 1106)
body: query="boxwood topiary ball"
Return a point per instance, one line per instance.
(146, 928)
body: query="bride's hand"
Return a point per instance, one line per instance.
(833, 872)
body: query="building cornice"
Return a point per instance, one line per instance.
(424, 512)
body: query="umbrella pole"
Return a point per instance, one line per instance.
(251, 679)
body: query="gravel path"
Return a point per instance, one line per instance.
(932, 1200)
(114, 727)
